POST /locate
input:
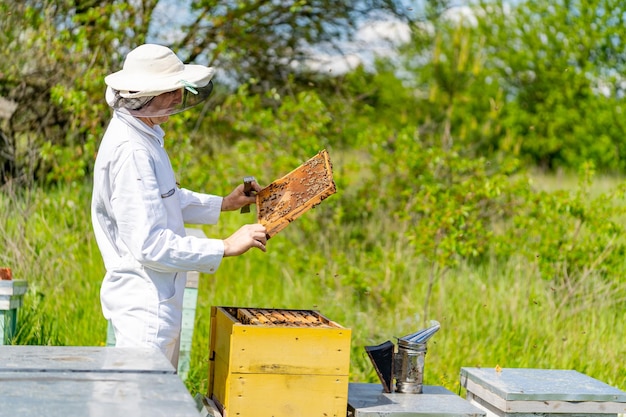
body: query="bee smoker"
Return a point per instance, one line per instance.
(406, 364)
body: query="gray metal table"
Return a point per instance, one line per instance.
(522, 392)
(91, 382)
(369, 400)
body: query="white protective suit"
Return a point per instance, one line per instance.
(139, 215)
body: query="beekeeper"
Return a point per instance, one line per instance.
(139, 211)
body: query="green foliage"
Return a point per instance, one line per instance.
(60, 53)
(269, 41)
(559, 71)
(537, 80)
(456, 100)
(47, 240)
(364, 275)
(457, 209)
(568, 234)
(452, 204)
(435, 216)
(266, 136)
(554, 98)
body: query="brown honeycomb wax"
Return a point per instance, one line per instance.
(289, 197)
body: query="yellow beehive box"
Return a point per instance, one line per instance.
(278, 363)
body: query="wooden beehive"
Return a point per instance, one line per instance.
(278, 363)
(289, 197)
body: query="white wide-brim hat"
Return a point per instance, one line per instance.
(150, 70)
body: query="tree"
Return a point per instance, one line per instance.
(269, 40)
(538, 80)
(60, 52)
(559, 64)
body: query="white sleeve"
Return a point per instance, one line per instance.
(200, 208)
(142, 221)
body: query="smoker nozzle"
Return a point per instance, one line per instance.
(423, 335)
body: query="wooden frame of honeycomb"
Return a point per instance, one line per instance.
(289, 197)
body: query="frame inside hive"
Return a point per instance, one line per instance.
(289, 197)
(279, 317)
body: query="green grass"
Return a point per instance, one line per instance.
(563, 181)
(365, 277)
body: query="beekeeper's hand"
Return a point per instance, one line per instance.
(237, 198)
(248, 236)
